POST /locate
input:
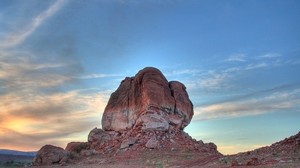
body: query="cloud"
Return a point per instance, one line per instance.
(37, 104)
(250, 105)
(26, 72)
(215, 81)
(44, 118)
(256, 66)
(270, 55)
(15, 38)
(237, 58)
(191, 72)
(95, 76)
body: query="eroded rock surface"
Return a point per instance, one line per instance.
(150, 100)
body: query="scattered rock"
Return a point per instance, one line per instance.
(49, 155)
(152, 143)
(128, 142)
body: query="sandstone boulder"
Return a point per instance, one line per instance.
(98, 137)
(150, 96)
(76, 147)
(49, 155)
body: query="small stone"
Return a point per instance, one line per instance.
(128, 142)
(152, 143)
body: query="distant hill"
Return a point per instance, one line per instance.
(19, 153)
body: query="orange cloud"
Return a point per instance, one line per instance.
(53, 118)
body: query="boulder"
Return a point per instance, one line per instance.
(98, 137)
(49, 155)
(148, 95)
(76, 147)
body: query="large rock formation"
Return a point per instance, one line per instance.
(145, 113)
(148, 99)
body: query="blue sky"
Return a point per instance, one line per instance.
(61, 59)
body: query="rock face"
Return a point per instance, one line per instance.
(147, 112)
(49, 155)
(148, 99)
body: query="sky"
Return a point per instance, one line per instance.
(61, 59)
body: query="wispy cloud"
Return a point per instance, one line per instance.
(184, 72)
(250, 105)
(270, 55)
(256, 66)
(237, 57)
(95, 76)
(214, 81)
(15, 38)
(25, 72)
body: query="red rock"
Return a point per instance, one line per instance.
(128, 142)
(183, 105)
(253, 162)
(271, 161)
(98, 137)
(153, 121)
(211, 146)
(235, 163)
(76, 147)
(86, 152)
(49, 155)
(152, 143)
(144, 95)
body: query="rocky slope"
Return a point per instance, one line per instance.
(285, 153)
